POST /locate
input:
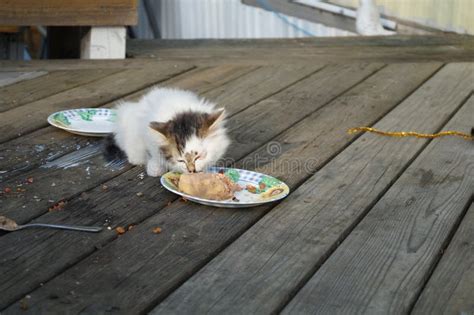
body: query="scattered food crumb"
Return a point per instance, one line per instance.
(307, 200)
(120, 230)
(58, 206)
(235, 199)
(169, 203)
(23, 304)
(262, 186)
(139, 194)
(104, 187)
(7, 190)
(157, 230)
(29, 180)
(131, 226)
(109, 228)
(183, 199)
(53, 184)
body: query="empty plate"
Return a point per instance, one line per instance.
(95, 122)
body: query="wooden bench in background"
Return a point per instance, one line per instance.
(95, 29)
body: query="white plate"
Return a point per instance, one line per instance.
(95, 122)
(268, 188)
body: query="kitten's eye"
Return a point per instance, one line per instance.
(197, 158)
(182, 161)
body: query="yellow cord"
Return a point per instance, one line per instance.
(411, 133)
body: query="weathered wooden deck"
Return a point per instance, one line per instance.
(373, 224)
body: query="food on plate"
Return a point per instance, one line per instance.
(272, 192)
(213, 186)
(251, 188)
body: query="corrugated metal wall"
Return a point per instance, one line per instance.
(188, 19)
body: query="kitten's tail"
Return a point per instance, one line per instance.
(111, 150)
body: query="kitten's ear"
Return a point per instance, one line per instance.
(215, 118)
(160, 127)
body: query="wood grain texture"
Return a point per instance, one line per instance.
(258, 85)
(398, 49)
(382, 266)
(113, 203)
(291, 105)
(52, 83)
(181, 227)
(7, 78)
(450, 290)
(76, 12)
(346, 41)
(270, 260)
(32, 116)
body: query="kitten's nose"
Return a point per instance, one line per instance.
(191, 168)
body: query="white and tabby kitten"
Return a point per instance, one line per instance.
(169, 130)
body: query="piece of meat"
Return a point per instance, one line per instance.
(207, 185)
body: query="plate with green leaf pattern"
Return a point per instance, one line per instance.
(257, 188)
(94, 122)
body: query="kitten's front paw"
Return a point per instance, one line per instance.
(154, 170)
(136, 160)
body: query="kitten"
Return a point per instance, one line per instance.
(169, 130)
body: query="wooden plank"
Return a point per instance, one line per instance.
(258, 85)
(77, 12)
(81, 169)
(77, 64)
(382, 266)
(383, 49)
(323, 54)
(95, 200)
(455, 40)
(275, 255)
(305, 12)
(145, 210)
(9, 29)
(450, 289)
(54, 82)
(7, 78)
(32, 116)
